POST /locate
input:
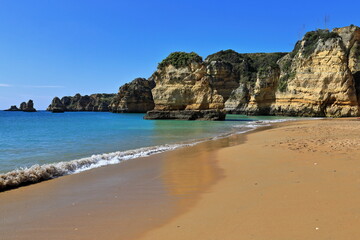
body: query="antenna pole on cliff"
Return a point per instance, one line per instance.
(326, 21)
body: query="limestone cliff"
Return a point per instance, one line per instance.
(95, 102)
(134, 97)
(317, 76)
(200, 85)
(184, 85)
(320, 77)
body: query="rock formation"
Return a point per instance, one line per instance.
(134, 97)
(25, 107)
(57, 106)
(185, 82)
(320, 77)
(317, 78)
(94, 102)
(13, 108)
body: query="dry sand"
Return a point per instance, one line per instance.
(297, 180)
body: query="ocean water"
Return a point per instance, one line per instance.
(44, 145)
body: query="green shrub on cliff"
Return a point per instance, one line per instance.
(180, 59)
(247, 65)
(312, 38)
(264, 60)
(229, 56)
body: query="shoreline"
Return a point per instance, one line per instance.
(43, 172)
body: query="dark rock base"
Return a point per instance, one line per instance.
(207, 115)
(57, 110)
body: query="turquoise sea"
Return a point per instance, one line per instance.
(43, 145)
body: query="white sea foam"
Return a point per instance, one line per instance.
(38, 173)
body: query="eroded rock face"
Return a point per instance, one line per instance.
(185, 88)
(209, 84)
(320, 77)
(134, 97)
(224, 80)
(351, 37)
(95, 102)
(320, 81)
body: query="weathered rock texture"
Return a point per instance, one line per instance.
(94, 102)
(320, 77)
(317, 76)
(134, 97)
(223, 78)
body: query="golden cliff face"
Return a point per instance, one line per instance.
(133, 97)
(185, 88)
(321, 81)
(223, 80)
(320, 77)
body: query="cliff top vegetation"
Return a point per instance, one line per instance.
(180, 59)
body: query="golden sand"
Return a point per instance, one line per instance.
(297, 181)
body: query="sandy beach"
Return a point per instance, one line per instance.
(294, 180)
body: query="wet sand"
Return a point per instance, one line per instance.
(296, 180)
(112, 202)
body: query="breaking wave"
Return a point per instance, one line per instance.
(38, 173)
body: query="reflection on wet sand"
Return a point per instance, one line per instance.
(190, 171)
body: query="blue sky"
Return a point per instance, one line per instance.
(60, 47)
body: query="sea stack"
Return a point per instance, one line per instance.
(25, 107)
(13, 108)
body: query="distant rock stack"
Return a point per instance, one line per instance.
(22, 106)
(13, 108)
(25, 107)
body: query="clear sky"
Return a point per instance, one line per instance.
(61, 47)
